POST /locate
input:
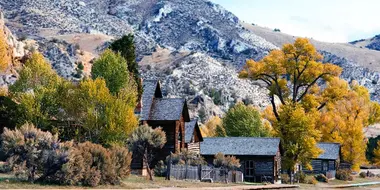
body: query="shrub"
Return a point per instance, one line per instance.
(300, 177)
(285, 178)
(33, 153)
(40, 156)
(311, 181)
(186, 157)
(363, 174)
(80, 66)
(160, 169)
(344, 175)
(321, 178)
(91, 164)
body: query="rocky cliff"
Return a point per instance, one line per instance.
(194, 47)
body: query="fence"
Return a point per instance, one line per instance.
(183, 172)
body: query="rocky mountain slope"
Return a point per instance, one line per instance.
(372, 43)
(194, 47)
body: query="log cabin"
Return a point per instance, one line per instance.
(193, 136)
(260, 158)
(327, 162)
(170, 114)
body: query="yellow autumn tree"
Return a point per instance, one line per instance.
(5, 58)
(106, 119)
(376, 154)
(344, 121)
(293, 75)
(210, 128)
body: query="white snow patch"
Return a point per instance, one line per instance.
(81, 3)
(162, 13)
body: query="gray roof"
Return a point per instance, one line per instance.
(149, 87)
(240, 146)
(189, 129)
(166, 109)
(330, 151)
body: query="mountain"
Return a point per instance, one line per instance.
(194, 47)
(372, 43)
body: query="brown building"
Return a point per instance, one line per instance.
(260, 158)
(170, 114)
(193, 136)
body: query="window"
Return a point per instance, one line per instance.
(325, 166)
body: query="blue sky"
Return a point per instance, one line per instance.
(325, 20)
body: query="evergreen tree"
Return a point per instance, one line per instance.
(126, 47)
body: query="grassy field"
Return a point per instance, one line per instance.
(133, 182)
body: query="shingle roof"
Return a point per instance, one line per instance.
(189, 130)
(240, 146)
(149, 87)
(330, 151)
(166, 109)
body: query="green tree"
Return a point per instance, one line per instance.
(106, 119)
(293, 75)
(126, 46)
(37, 92)
(112, 67)
(244, 121)
(144, 141)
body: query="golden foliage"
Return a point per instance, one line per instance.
(5, 57)
(344, 121)
(209, 129)
(376, 154)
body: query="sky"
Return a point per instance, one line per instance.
(324, 20)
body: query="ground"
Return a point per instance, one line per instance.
(8, 181)
(133, 182)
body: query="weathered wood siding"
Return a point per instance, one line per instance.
(193, 147)
(260, 168)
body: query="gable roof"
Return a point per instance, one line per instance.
(189, 129)
(330, 151)
(151, 89)
(240, 146)
(163, 109)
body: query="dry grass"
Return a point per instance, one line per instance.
(8, 181)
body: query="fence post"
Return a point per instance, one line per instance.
(200, 172)
(168, 170)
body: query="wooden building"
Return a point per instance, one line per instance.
(327, 162)
(193, 136)
(260, 157)
(170, 114)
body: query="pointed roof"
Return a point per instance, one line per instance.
(189, 129)
(151, 90)
(164, 109)
(256, 146)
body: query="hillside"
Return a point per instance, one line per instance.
(371, 43)
(194, 47)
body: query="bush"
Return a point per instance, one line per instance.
(300, 177)
(344, 175)
(363, 174)
(184, 157)
(91, 164)
(32, 153)
(321, 178)
(40, 156)
(285, 178)
(160, 169)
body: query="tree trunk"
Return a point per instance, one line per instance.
(149, 172)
